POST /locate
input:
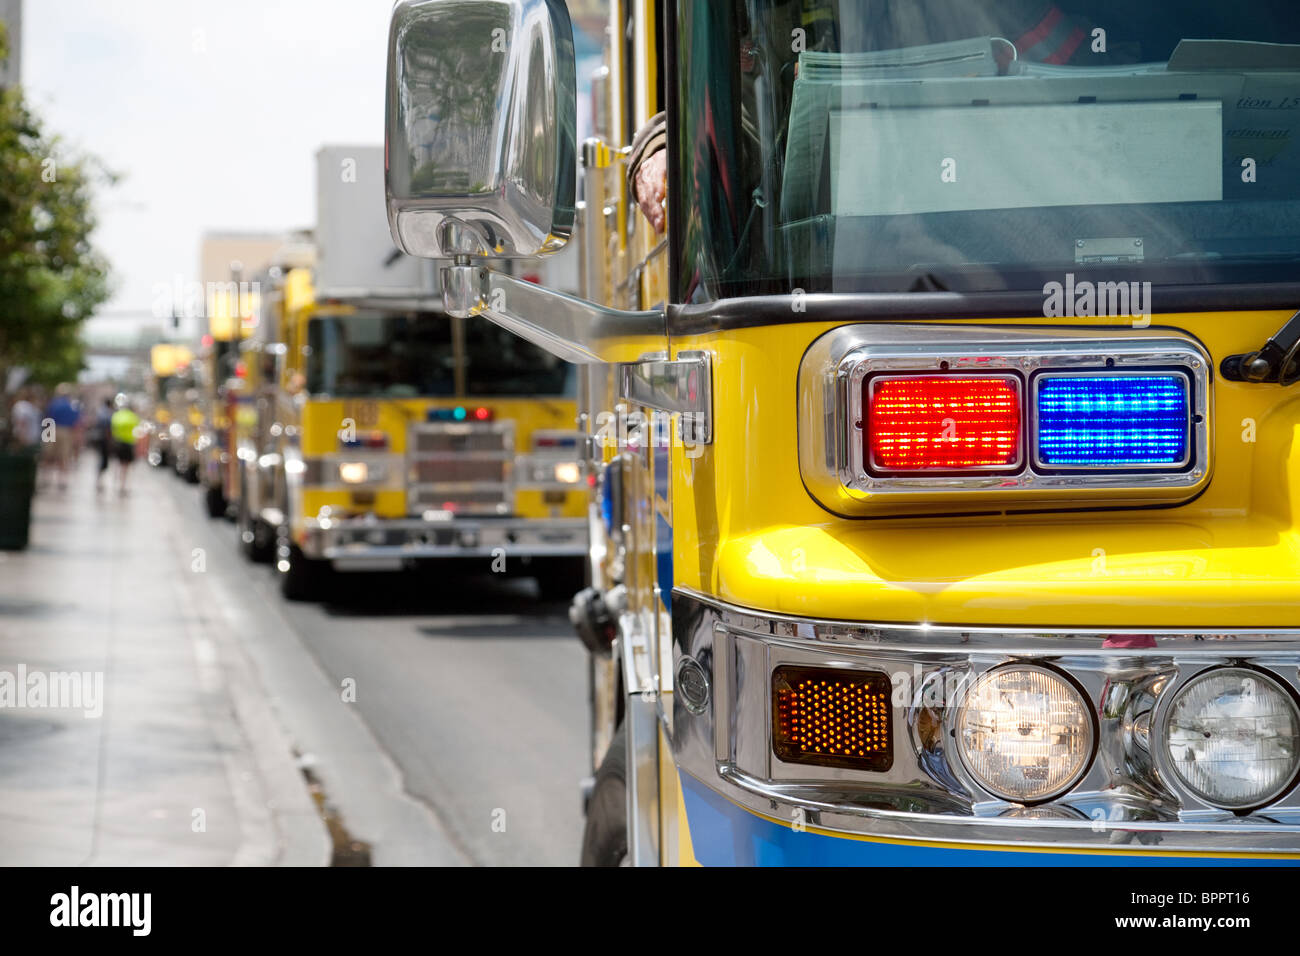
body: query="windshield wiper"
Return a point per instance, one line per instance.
(1278, 361)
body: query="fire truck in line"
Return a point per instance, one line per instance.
(169, 363)
(383, 434)
(232, 312)
(974, 535)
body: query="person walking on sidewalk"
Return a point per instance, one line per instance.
(103, 439)
(65, 411)
(123, 425)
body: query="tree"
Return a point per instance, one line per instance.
(51, 277)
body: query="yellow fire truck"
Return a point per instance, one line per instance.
(393, 436)
(224, 395)
(170, 366)
(185, 401)
(386, 435)
(973, 535)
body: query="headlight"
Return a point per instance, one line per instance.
(568, 472)
(1231, 737)
(1024, 733)
(359, 472)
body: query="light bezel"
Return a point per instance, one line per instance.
(1008, 468)
(1164, 759)
(1032, 424)
(376, 472)
(833, 439)
(972, 778)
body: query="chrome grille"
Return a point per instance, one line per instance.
(457, 469)
(459, 437)
(463, 467)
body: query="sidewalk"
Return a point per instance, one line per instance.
(178, 762)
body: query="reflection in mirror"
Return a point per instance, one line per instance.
(481, 127)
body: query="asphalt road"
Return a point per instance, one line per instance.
(476, 690)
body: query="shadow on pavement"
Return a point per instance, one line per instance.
(424, 592)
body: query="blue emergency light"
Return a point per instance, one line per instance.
(1113, 420)
(457, 414)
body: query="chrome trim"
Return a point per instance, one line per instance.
(925, 637)
(837, 364)
(414, 538)
(1123, 802)
(575, 330)
(293, 468)
(480, 127)
(682, 386)
(642, 722)
(490, 444)
(1180, 465)
(596, 153)
(870, 463)
(1110, 830)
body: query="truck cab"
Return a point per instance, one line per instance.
(398, 437)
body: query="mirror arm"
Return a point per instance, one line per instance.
(589, 334)
(575, 330)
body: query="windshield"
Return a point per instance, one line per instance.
(980, 145)
(399, 355)
(498, 362)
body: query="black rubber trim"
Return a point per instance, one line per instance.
(668, 9)
(763, 310)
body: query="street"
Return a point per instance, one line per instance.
(444, 720)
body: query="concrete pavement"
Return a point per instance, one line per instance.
(364, 789)
(445, 715)
(461, 737)
(131, 729)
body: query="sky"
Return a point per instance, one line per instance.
(211, 110)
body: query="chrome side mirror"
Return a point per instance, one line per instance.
(480, 127)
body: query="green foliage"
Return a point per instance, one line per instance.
(51, 278)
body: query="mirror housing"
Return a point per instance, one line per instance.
(480, 128)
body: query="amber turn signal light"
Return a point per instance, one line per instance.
(832, 717)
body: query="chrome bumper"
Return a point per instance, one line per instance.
(385, 541)
(1124, 804)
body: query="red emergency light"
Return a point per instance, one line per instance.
(943, 423)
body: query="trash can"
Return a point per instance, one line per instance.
(17, 485)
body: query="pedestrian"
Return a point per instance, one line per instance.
(122, 426)
(103, 438)
(65, 412)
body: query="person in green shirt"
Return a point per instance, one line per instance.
(122, 427)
